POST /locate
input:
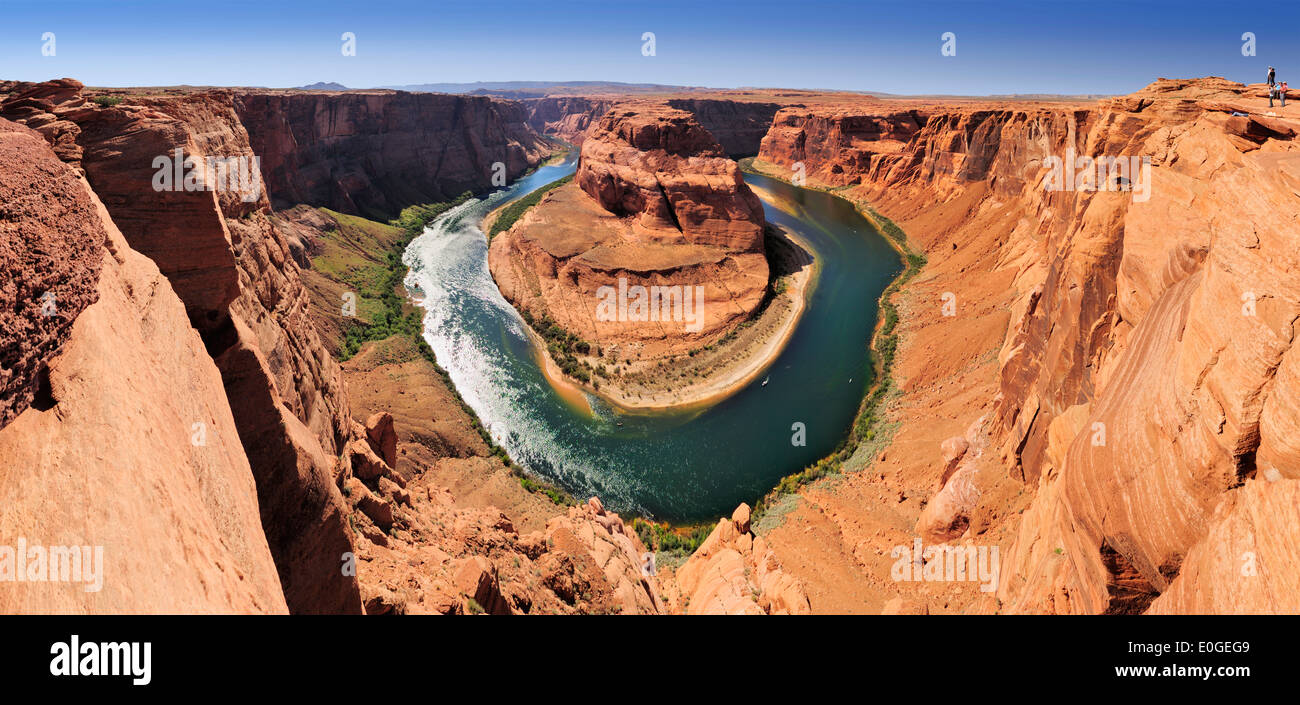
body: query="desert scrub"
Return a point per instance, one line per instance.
(663, 538)
(563, 346)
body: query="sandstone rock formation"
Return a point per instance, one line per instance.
(232, 268)
(654, 203)
(738, 125)
(422, 553)
(567, 117)
(734, 572)
(663, 168)
(738, 122)
(49, 272)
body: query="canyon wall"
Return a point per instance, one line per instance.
(566, 117)
(1143, 385)
(373, 153)
(231, 267)
(106, 455)
(739, 126)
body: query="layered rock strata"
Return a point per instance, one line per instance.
(654, 203)
(374, 152)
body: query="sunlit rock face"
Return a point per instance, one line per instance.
(1147, 377)
(655, 203)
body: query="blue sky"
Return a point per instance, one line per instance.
(1002, 47)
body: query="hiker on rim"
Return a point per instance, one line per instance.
(1272, 93)
(1281, 92)
(1271, 77)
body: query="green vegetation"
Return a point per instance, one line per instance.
(563, 346)
(381, 308)
(663, 538)
(108, 101)
(513, 212)
(557, 496)
(413, 219)
(382, 311)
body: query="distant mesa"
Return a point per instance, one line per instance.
(323, 86)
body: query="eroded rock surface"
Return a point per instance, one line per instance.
(374, 152)
(734, 572)
(111, 457)
(654, 203)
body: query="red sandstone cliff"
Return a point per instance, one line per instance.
(105, 452)
(738, 125)
(232, 269)
(1143, 385)
(373, 153)
(568, 118)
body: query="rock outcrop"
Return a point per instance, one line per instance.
(661, 167)
(420, 552)
(654, 203)
(738, 125)
(49, 271)
(243, 294)
(734, 572)
(566, 117)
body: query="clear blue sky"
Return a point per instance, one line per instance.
(1015, 46)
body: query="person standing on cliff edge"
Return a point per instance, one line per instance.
(1271, 76)
(1281, 93)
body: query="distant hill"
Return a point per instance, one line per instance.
(324, 86)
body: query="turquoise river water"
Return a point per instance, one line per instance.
(680, 466)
